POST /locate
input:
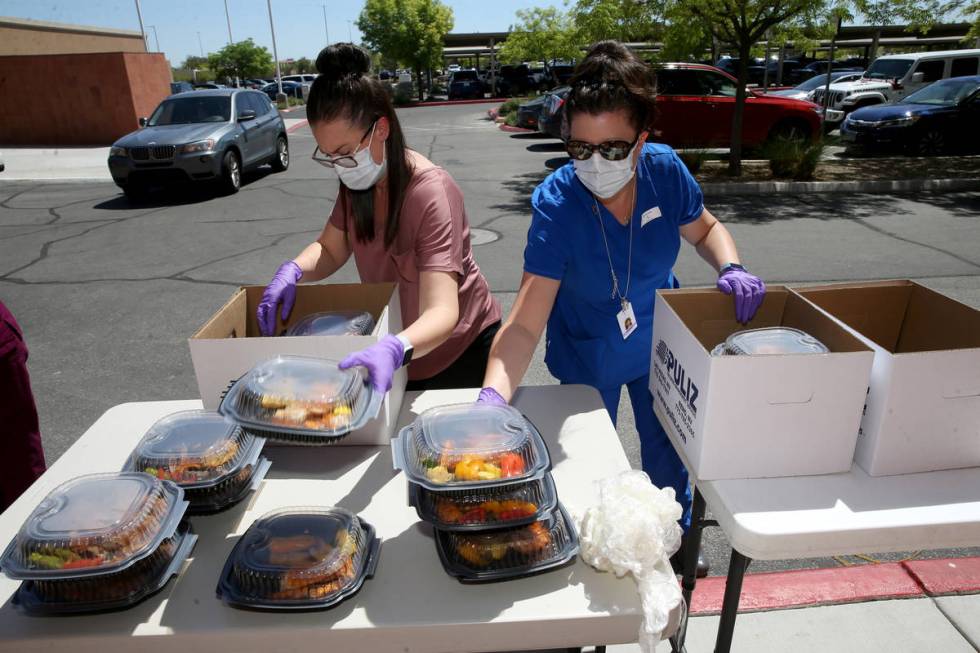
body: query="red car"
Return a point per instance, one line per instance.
(695, 105)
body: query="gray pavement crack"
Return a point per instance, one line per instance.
(885, 232)
(5, 202)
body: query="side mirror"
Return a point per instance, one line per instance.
(142, 122)
(918, 78)
(246, 114)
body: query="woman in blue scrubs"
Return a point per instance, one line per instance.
(605, 233)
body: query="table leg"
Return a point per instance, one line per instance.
(729, 608)
(689, 577)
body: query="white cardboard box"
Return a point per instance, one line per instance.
(755, 416)
(923, 408)
(229, 344)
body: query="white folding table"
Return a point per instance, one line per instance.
(832, 514)
(410, 605)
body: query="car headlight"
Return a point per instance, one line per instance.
(117, 151)
(904, 121)
(199, 146)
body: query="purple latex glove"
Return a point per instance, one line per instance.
(491, 396)
(282, 289)
(381, 360)
(749, 291)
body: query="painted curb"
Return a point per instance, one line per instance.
(451, 103)
(299, 125)
(808, 587)
(718, 189)
(948, 576)
(516, 130)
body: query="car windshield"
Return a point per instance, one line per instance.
(183, 111)
(889, 69)
(944, 93)
(465, 76)
(821, 80)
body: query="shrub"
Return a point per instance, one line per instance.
(793, 158)
(693, 159)
(510, 106)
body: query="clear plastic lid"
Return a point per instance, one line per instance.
(470, 445)
(501, 506)
(510, 553)
(773, 340)
(195, 449)
(719, 350)
(112, 591)
(93, 525)
(300, 558)
(333, 323)
(300, 399)
(233, 489)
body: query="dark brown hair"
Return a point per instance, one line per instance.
(610, 78)
(345, 90)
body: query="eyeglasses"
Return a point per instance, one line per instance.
(344, 161)
(610, 150)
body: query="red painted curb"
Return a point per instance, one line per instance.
(298, 125)
(808, 587)
(519, 130)
(445, 103)
(946, 576)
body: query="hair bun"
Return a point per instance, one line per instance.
(611, 49)
(343, 60)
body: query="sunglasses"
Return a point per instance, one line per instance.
(610, 150)
(345, 160)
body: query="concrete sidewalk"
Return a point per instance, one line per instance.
(69, 163)
(921, 605)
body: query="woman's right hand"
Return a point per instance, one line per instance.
(282, 289)
(490, 396)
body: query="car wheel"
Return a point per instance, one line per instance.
(280, 160)
(789, 131)
(931, 142)
(231, 172)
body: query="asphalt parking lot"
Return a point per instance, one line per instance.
(107, 292)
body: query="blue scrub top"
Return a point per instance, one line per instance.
(583, 342)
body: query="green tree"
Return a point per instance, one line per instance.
(919, 15)
(192, 62)
(409, 31)
(742, 24)
(623, 20)
(541, 34)
(304, 65)
(243, 59)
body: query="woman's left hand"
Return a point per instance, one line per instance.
(380, 359)
(748, 289)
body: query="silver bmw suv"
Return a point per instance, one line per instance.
(200, 136)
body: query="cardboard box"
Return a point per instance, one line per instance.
(229, 344)
(923, 407)
(755, 416)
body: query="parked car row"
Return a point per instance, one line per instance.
(210, 135)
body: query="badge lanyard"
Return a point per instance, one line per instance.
(625, 318)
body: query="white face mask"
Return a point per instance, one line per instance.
(603, 177)
(367, 172)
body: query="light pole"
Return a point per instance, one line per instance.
(228, 18)
(325, 30)
(155, 37)
(349, 37)
(200, 45)
(139, 14)
(275, 53)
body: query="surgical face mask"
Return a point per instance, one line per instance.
(366, 173)
(603, 177)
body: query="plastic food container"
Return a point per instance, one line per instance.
(301, 400)
(112, 591)
(502, 506)
(470, 446)
(333, 323)
(510, 553)
(95, 524)
(300, 558)
(773, 340)
(213, 459)
(719, 350)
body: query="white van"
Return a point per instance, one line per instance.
(892, 77)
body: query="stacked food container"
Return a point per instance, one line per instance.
(300, 559)
(480, 475)
(301, 400)
(214, 460)
(333, 323)
(769, 340)
(99, 542)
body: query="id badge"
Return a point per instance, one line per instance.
(626, 320)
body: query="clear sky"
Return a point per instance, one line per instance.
(299, 23)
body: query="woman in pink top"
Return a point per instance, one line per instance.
(403, 219)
